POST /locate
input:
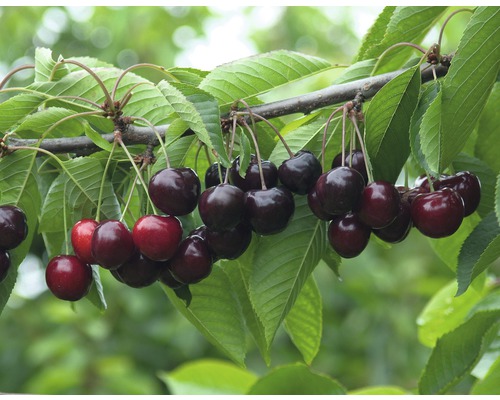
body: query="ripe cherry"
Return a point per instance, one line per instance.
(252, 175)
(222, 207)
(229, 244)
(157, 237)
(467, 185)
(398, 229)
(112, 244)
(355, 160)
(168, 279)
(192, 261)
(316, 207)
(439, 213)
(379, 204)
(348, 235)
(13, 227)
(212, 176)
(139, 271)
(68, 278)
(81, 239)
(4, 264)
(175, 191)
(300, 173)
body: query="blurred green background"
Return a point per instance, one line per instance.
(369, 332)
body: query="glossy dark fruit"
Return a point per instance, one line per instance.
(139, 271)
(112, 244)
(168, 279)
(175, 191)
(4, 264)
(222, 207)
(467, 185)
(410, 194)
(379, 204)
(339, 190)
(81, 239)
(355, 160)
(300, 173)
(398, 229)
(13, 227)
(212, 176)
(269, 211)
(156, 236)
(251, 178)
(192, 262)
(348, 236)
(316, 207)
(68, 278)
(423, 181)
(229, 244)
(438, 214)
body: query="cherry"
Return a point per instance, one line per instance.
(222, 207)
(81, 239)
(348, 235)
(354, 159)
(398, 229)
(316, 207)
(300, 173)
(467, 185)
(192, 261)
(13, 227)
(168, 279)
(269, 211)
(229, 244)
(339, 190)
(4, 264)
(156, 236)
(112, 244)
(139, 271)
(212, 177)
(439, 213)
(68, 278)
(175, 191)
(410, 194)
(423, 181)
(252, 180)
(379, 204)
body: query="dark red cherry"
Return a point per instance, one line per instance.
(467, 185)
(410, 194)
(13, 227)
(439, 213)
(168, 279)
(4, 264)
(316, 207)
(192, 262)
(423, 181)
(251, 180)
(212, 176)
(81, 239)
(355, 160)
(379, 204)
(300, 173)
(398, 229)
(339, 190)
(112, 244)
(269, 211)
(157, 236)
(68, 278)
(222, 207)
(175, 191)
(229, 244)
(348, 236)
(139, 271)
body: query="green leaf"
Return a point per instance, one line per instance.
(44, 66)
(430, 135)
(188, 75)
(96, 293)
(360, 70)
(215, 312)
(489, 130)
(208, 377)
(489, 385)
(37, 124)
(469, 81)
(96, 138)
(282, 264)
(388, 124)
(296, 379)
(304, 322)
(458, 351)
(479, 250)
(16, 108)
(253, 76)
(377, 390)
(375, 35)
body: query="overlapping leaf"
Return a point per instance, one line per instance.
(16, 108)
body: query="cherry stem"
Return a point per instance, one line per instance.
(344, 113)
(101, 188)
(65, 220)
(352, 145)
(257, 153)
(93, 103)
(369, 174)
(158, 136)
(130, 195)
(448, 20)
(231, 147)
(394, 46)
(323, 146)
(13, 72)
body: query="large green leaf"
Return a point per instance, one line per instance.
(489, 384)
(214, 310)
(38, 124)
(388, 124)
(469, 81)
(44, 66)
(375, 35)
(252, 76)
(16, 108)
(430, 137)
(360, 70)
(208, 377)
(282, 264)
(489, 130)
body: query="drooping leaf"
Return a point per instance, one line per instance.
(489, 129)
(388, 124)
(296, 379)
(96, 138)
(208, 377)
(16, 108)
(44, 66)
(304, 322)
(96, 293)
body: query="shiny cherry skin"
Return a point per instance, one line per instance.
(68, 278)
(4, 264)
(192, 261)
(168, 279)
(212, 176)
(316, 207)
(112, 244)
(13, 227)
(348, 236)
(175, 191)
(157, 236)
(222, 207)
(269, 211)
(398, 229)
(355, 160)
(438, 214)
(467, 185)
(81, 239)
(300, 173)
(230, 244)
(379, 204)
(251, 180)
(139, 271)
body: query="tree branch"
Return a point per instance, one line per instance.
(335, 94)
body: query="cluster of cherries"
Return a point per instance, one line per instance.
(13, 231)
